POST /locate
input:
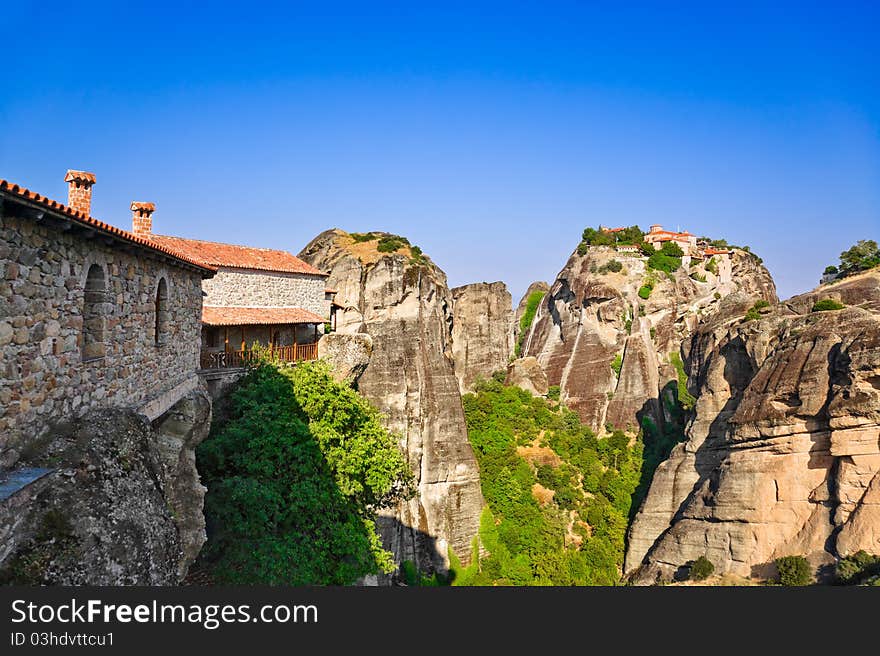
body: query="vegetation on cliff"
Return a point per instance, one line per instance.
(525, 321)
(295, 474)
(864, 255)
(558, 496)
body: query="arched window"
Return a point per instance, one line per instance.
(95, 310)
(161, 312)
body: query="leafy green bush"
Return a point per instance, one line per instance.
(416, 255)
(671, 249)
(701, 569)
(523, 541)
(647, 249)
(662, 262)
(685, 398)
(499, 376)
(645, 292)
(717, 296)
(295, 476)
(699, 277)
(754, 312)
(583, 248)
(391, 243)
(360, 237)
(712, 266)
(525, 321)
(827, 304)
(794, 571)
(616, 364)
(554, 392)
(859, 568)
(830, 270)
(614, 266)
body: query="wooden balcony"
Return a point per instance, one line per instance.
(236, 359)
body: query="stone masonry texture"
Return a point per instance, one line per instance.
(43, 376)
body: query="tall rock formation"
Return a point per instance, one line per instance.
(593, 317)
(482, 342)
(401, 299)
(783, 451)
(537, 286)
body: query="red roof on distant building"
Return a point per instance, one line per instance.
(239, 257)
(85, 220)
(715, 251)
(251, 316)
(612, 229)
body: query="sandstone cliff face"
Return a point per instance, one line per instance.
(589, 317)
(481, 338)
(404, 304)
(783, 451)
(121, 503)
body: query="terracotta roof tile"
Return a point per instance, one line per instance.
(251, 316)
(241, 257)
(83, 219)
(149, 207)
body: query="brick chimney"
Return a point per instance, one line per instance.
(142, 219)
(79, 191)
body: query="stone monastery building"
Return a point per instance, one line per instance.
(90, 315)
(258, 295)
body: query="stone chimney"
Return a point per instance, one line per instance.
(79, 191)
(142, 219)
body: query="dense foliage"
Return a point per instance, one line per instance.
(660, 261)
(861, 257)
(294, 476)
(827, 304)
(794, 570)
(613, 266)
(861, 568)
(685, 398)
(598, 237)
(701, 569)
(558, 497)
(525, 321)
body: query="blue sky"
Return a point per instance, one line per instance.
(490, 134)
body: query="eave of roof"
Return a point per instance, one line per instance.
(66, 213)
(256, 316)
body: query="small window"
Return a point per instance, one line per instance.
(95, 310)
(161, 331)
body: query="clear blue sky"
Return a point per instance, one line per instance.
(490, 134)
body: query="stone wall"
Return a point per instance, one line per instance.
(43, 377)
(253, 288)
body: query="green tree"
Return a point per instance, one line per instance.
(701, 569)
(662, 262)
(794, 571)
(295, 476)
(865, 254)
(671, 249)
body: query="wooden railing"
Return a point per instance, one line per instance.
(234, 359)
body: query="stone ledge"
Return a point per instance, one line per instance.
(159, 405)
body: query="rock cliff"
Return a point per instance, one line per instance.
(783, 450)
(594, 317)
(401, 299)
(120, 502)
(482, 342)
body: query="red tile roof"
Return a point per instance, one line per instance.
(715, 251)
(239, 257)
(83, 219)
(251, 316)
